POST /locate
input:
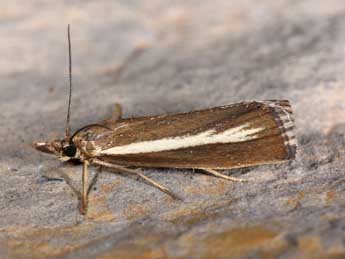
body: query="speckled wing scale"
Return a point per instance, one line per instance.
(233, 136)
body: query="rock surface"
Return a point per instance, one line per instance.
(187, 55)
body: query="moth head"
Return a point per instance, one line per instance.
(64, 149)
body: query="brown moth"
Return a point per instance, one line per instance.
(232, 136)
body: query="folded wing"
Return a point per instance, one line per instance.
(238, 135)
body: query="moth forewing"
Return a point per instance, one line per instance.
(238, 135)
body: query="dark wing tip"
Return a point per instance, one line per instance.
(283, 115)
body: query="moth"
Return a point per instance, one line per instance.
(226, 137)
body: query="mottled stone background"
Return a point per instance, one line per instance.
(187, 55)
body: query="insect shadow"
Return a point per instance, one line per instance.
(70, 182)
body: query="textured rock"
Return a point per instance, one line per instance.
(188, 55)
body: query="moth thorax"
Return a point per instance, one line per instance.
(91, 148)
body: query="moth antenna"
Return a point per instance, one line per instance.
(87, 127)
(68, 126)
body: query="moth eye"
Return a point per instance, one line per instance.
(70, 150)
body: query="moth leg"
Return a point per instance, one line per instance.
(220, 175)
(117, 113)
(85, 188)
(121, 169)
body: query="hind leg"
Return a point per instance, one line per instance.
(223, 176)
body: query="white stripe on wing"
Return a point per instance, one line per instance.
(233, 135)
